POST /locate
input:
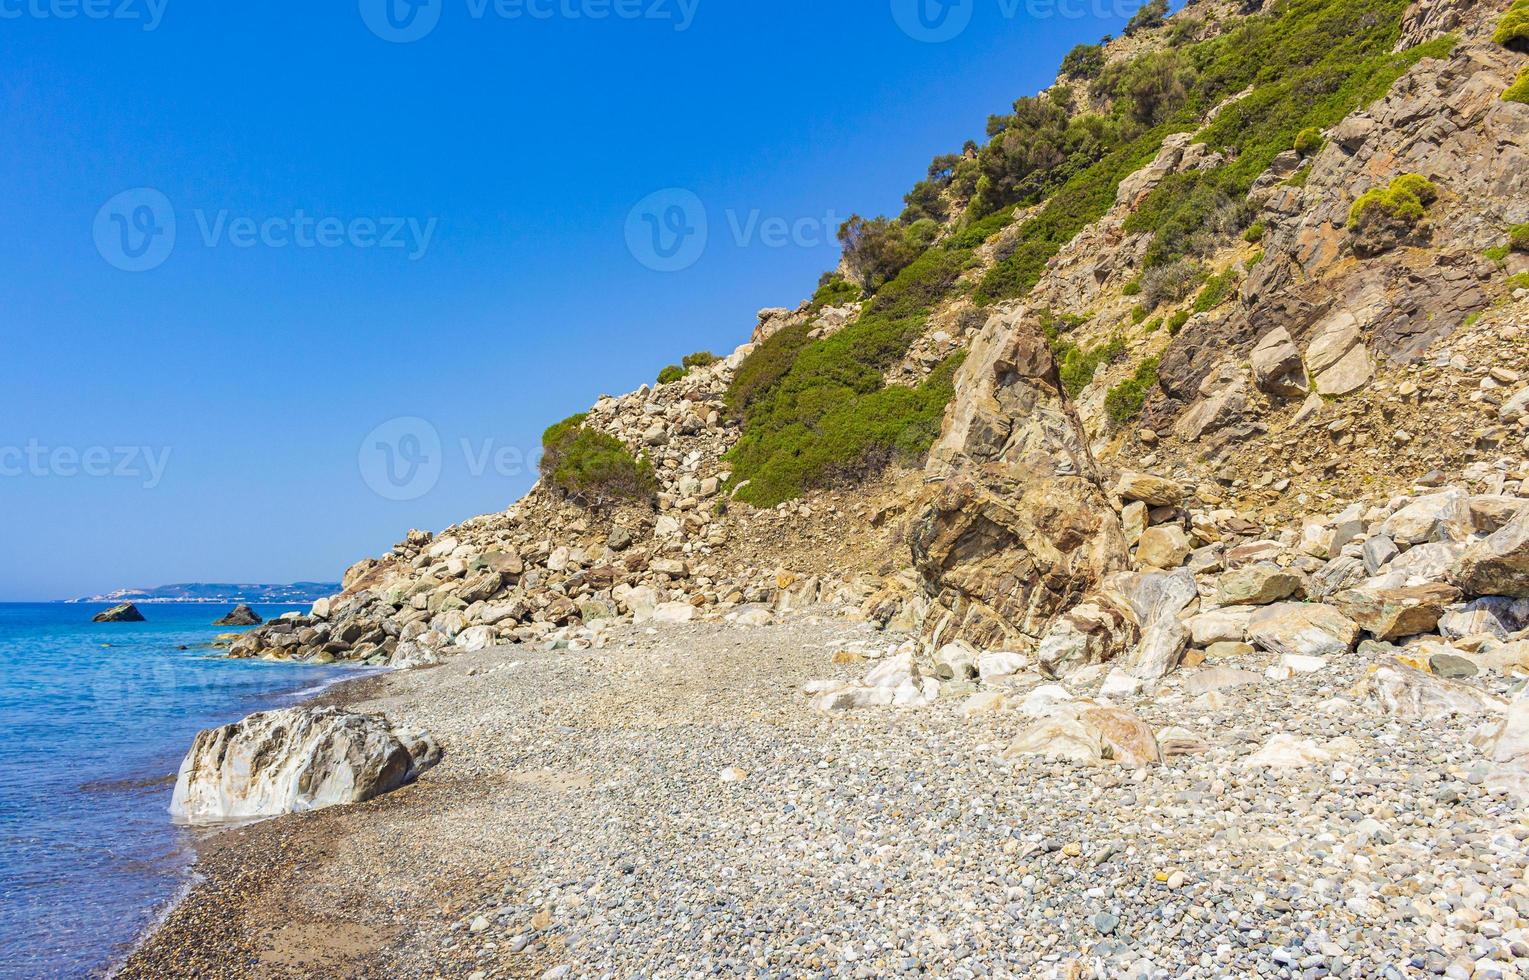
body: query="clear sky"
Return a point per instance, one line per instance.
(415, 213)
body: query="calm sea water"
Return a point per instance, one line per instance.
(94, 721)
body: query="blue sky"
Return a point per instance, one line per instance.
(210, 418)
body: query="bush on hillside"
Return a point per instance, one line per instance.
(1177, 321)
(1309, 141)
(1170, 283)
(834, 290)
(1518, 238)
(1077, 367)
(1255, 233)
(1384, 217)
(1125, 401)
(592, 468)
(1218, 289)
(1084, 61)
(671, 374)
(1519, 90)
(1513, 30)
(876, 250)
(1151, 15)
(701, 358)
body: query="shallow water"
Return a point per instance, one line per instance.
(94, 721)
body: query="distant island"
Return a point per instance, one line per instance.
(217, 592)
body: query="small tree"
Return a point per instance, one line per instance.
(1084, 61)
(592, 468)
(876, 250)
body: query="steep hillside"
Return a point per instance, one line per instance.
(1247, 234)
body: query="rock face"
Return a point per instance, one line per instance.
(1020, 530)
(242, 615)
(295, 760)
(125, 613)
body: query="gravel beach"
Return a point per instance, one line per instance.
(671, 806)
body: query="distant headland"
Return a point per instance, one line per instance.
(217, 592)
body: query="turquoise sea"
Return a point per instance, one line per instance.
(94, 722)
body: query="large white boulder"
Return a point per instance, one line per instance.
(295, 760)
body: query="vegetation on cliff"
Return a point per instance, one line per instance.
(591, 467)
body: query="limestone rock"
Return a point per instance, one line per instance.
(1164, 547)
(1415, 696)
(1153, 491)
(295, 760)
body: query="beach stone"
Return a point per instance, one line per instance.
(1164, 547)
(1086, 733)
(1494, 615)
(1154, 491)
(1285, 751)
(1300, 629)
(671, 613)
(1411, 695)
(1226, 625)
(294, 760)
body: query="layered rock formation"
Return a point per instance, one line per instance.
(294, 760)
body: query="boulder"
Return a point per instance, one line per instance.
(1494, 615)
(671, 613)
(1226, 625)
(1018, 529)
(1277, 366)
(1257, 585)
(1284, 751)
(1497, 565)
(1303, 629)
(1437, 517)
(125, 613)
(476, 638)
(1163, 547)
(1390, 614)
(1087, 733)
(1154, 491)
(295, 760)
(241, 615)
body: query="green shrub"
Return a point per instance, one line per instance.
(1153, 326)
(671, 374)
(1217, 290)
(1513, 29)
(1084, 61)
(1139, 315)
(1124, 402)
(1171, 283)
(1151, 15)
(701, 358)
(593, 468)
(1520, 281)
(1132, 288)
(1518, 238)
(1384, 216)
(1519, 90)
(1077, 367)
(1255, 232)
(1309, 141)
(1299, 178)
(1497, 253)
(834, 290)
(876, 249)
(1177, 321)
(1253, 259)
